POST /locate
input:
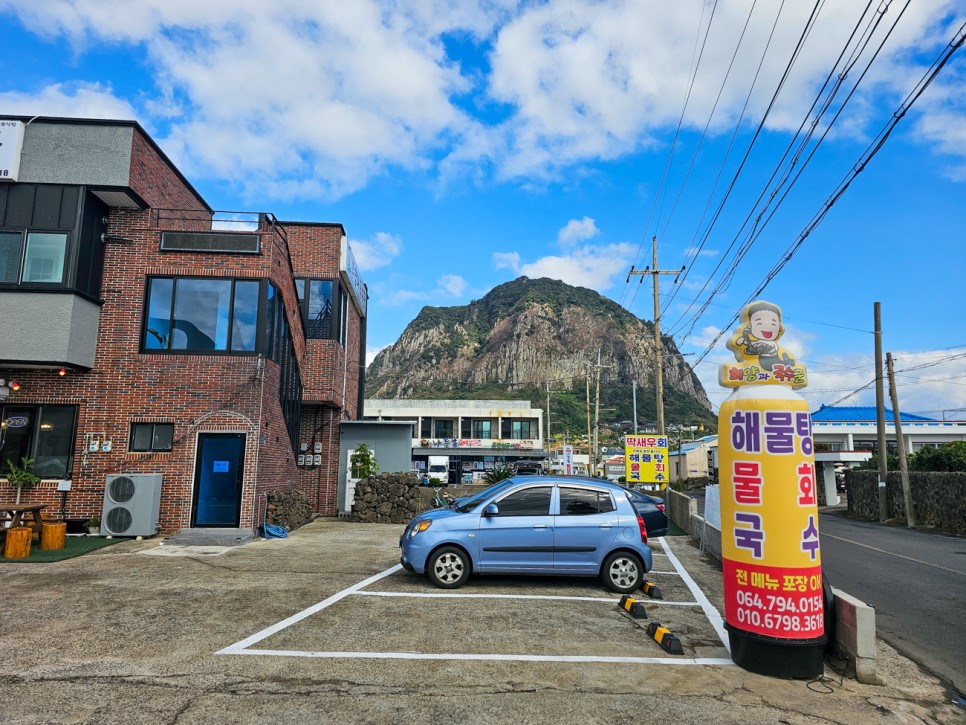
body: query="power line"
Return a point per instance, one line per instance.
(667, 163)
(781, 84)
(874, 147)
(786, 179)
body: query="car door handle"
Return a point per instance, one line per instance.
(539, 526)
(605, 526)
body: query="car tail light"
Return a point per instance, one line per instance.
(660, 507)
(640, 522)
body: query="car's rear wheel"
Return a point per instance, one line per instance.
(448, 567)
(622, 572)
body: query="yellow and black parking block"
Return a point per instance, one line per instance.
(633, 607)
(652, 590)
(662, 635)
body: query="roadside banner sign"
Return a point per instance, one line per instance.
(774, 606)
(645, 459)
(568, 460)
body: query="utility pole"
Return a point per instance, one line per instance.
(880, 416)
(597, 412)
(659, 370)
(903, 468)
(547, 437)
(590, 458)
(634, 399)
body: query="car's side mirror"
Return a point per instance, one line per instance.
(491, 510)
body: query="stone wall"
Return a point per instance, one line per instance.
(389, 498)
(290, 509)
(938, 498)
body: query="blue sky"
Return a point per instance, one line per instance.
(463, 144)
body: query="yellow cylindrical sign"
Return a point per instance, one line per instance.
(769, 514)
(774, 602)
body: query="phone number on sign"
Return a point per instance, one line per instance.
(781, 622)
(777, 603)
(778, 614)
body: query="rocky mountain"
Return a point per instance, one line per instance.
(527, 333)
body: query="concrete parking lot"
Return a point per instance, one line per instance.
(323, 626)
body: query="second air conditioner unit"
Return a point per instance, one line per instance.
(132, 505)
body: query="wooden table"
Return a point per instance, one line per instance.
(13, 515)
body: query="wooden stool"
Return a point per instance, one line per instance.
(52, 536)
(17, 545)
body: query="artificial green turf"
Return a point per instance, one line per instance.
(73, 546)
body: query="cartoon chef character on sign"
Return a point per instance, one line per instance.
(759, 336)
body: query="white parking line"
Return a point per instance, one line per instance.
(488, 657)
(709, 610)
(443, 595)
(241, 647)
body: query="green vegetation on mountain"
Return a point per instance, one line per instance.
(527, 333)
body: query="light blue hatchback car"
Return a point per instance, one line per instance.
(532, 525)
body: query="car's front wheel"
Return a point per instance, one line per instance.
(448, 567)
(622, 572)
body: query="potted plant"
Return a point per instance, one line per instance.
(93, 525)
(21, 477)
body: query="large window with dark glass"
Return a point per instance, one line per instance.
(201, 315)
(281, 348)
(316, 303)
(41, 433)
(233, 316)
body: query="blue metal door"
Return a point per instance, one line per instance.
(218, 480)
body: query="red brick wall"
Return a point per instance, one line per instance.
(320, 425)
(155, 181)
(196, 393)
(315, 255)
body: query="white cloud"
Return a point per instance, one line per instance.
(594, 267)
(452, 285)
(378, 253)
(932, 391)
(312, 99)
(395, 297)
(392, 294)
(506, 260)
(79, 100)
(577, 231)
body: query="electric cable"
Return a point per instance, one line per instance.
(693, 74)
(874, 147)
(758, 227)
(781, 84)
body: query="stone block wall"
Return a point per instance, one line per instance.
(290, 509)
(389, 498)
(938, 498)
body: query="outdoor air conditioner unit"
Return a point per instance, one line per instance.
(132, 504)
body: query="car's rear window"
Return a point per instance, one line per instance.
(584, 501)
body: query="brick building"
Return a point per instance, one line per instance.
(172, 362)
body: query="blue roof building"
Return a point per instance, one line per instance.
(853, 428)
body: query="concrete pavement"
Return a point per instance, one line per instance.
(129, 634)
